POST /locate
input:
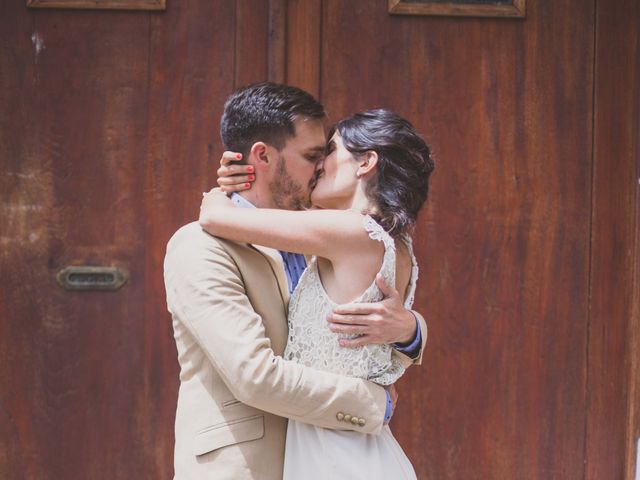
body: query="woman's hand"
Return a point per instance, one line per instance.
(234, 178)
(212, 200)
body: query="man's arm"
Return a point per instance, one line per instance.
(205, 291)
(386, 321)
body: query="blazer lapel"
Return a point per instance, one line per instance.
(277, 265)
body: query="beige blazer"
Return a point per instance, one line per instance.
(228, 303)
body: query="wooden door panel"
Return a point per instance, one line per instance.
(613, 422)
(191, 74)
(114, 134)
(504, 241)
(79, 129)
(109, 132)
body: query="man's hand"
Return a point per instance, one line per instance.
(386, 321)
(234, 178)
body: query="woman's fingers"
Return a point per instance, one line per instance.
(235, 180)
(228, 170)
(238, 187)
(229, 157)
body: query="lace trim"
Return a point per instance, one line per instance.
(376, 232)
(413, 280)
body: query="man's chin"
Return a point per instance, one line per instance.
(293, 203)
(302, 203)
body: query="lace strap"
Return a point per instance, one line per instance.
(376, 232)
(408, 303)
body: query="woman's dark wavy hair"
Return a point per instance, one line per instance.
(400, 187)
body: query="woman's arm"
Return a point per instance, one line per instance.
(324, 233)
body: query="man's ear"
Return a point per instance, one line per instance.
(367, 163)
(260, 155)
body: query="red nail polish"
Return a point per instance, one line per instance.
(247, 185)
(238, 156)
(250, 169)
(250, 177)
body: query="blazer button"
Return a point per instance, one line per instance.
(362, 422)
(355, 420)
(340, 416)
(347, 418)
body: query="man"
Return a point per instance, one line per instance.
(229, 307)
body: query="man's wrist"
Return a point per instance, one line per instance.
(411, 336)
(412, 348)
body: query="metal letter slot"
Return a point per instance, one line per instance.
(91, 278)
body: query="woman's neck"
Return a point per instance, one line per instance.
(360, 202)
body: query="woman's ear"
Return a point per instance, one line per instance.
(367, 163)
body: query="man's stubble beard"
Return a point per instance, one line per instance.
(287, 194)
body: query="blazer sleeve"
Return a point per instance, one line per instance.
(206, 293)
(406, 360)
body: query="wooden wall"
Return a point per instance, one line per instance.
(504, 243)
(529, 246)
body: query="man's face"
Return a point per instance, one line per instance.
(294, 172)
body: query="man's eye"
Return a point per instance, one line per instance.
(314, 158)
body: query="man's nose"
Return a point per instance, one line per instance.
(319, 165)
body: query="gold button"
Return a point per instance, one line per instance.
(340, 416)
(361, 422)
(354, 420)
(347, 418)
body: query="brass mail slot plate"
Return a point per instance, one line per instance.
(91, 278)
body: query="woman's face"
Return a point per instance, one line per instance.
(337, 180)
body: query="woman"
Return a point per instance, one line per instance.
(372, 184)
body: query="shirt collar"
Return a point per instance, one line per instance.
(240, 201)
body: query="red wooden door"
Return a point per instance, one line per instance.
(504, 242)
(108, 127)
(528, 247)
(529, 244)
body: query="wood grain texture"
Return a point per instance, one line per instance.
(304, 44)
(23, 217)
(72, 367)
(613, 428)
(516, 10)
(192, 58)
(109, 134)
(99, 4)
(529, 246)
(277, 41)
(252, 41)
(504, 241)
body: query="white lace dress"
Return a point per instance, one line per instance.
(314, 453)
